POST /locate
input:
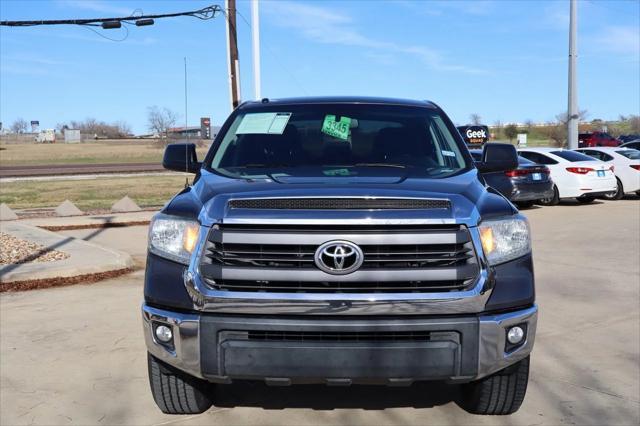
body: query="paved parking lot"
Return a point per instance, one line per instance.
(76, 355)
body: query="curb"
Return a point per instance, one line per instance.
(55, 228)
(86, 259)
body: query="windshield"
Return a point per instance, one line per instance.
(573, 156)
(631, 154)
(350, 137)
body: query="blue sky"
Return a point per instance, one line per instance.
(505, 60)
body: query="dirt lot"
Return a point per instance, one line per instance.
(76, 355)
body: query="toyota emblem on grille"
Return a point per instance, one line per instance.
(339, 257)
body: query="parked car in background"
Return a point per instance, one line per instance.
(628, 138)
(525, 185)
(632, 144)
(596, 139)
(575, 175)
(626, 167)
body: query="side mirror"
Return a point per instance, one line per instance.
(498, 157)
(181, 157)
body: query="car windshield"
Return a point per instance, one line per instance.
(632, 154)
(345, 137)
(573, 156)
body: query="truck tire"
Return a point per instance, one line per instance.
(176, 392)
(499, 394)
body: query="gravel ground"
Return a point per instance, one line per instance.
(15, 250)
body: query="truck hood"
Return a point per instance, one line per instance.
(470, 200)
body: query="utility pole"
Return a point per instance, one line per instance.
(232, 47)
(573, 116)
(186, 110)
(255, 27)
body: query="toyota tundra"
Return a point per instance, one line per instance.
(339, 241)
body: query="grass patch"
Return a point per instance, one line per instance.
(83, 153)
(91, 194)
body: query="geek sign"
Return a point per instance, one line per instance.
(474, 135)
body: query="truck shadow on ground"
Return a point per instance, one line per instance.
(320, 397)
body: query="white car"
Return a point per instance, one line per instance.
(575, 175)
(626, 167)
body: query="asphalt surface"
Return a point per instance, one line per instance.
(76, 169)
(75, 355)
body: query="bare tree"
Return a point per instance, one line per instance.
(529, 124)
(98, 129)
(563, 117)
(510, 131)
(557, 133)
(634, 122)
(160, 120)
(497, 126)
(475, 119)
(19, 126)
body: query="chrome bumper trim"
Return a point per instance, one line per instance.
(492, 356)
(186, 338)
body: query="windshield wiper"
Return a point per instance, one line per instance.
(399, 166)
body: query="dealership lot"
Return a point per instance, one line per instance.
(76, 355)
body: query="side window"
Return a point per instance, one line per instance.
(605, 157)
(536, 157)
(528, 155)
(547, 160)
(591, 153)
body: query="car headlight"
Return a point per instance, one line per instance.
(173, 237)
(505, 240)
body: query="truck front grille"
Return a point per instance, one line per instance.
(396, 259)
(337, 336)
(339, 203)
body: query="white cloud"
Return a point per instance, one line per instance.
(96, 6)
(330, 27)
(619, 39)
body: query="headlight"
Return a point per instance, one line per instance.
(173, 237)
(505, 240)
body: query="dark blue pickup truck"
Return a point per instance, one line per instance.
(339, 241)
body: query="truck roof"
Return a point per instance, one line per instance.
(338, 100)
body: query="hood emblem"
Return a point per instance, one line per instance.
(339, 257)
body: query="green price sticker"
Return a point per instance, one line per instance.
(337, 129)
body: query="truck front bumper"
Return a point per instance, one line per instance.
(222, 348)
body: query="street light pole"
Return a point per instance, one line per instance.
(255, 26)
(573, 116)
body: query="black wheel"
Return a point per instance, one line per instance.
(552, 201)
(585, 199)
(615, 195)
(638, 193)
(499, 394)
(524, 204)
(176, 392)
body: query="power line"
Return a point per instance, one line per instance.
(205, 13)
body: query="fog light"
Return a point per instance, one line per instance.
(164, 334)
(515, 335)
